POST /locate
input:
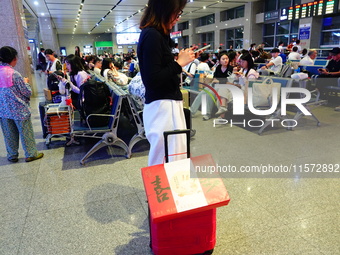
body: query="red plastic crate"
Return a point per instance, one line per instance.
(191, 234)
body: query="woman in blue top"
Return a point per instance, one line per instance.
(163, 110)
(15, 114)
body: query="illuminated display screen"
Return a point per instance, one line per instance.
(320, 8)
(311, 9)
(330, 7)
(128, 38)
(315, 7)
(304, 11)
(297, 11)
(290, 13)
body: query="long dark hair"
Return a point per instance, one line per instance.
(76, 64)
(77, 51)
(105, 65)
(8, 54)
(249, 59)
(159, 14)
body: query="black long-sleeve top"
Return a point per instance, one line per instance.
(159, 71)
(219, 74)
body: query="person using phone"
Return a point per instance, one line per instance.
(331, 73)
(15, 112)
(163, 110)
(53, 63)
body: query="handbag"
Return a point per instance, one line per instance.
(263, 93)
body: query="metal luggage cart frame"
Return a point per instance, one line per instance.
(58, 121)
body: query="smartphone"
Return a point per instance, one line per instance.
(57, 76)
(205, 47)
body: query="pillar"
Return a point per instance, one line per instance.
(13, 32)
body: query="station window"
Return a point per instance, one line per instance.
(234, 38)
(284, 31)
(208, 38)
(272, 5)
(207, 20)
(233, 13)
(330, 34)
(185, 42)
(183, 26)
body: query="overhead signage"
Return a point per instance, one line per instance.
(311, 9)
(284, 14)
(304, 32)
(271, 15)
(177, 34)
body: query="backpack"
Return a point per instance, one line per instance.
(286, 71)
(95, 98)
(52, 81)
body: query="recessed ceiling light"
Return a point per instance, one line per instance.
(36, 3)
(42, 14)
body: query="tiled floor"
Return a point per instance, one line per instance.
(57, 206)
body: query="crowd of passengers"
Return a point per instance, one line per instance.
(222, 66)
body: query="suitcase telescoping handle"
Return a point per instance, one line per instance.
(176, 132)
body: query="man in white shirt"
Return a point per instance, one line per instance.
(297, 44)
(294, 55)
(275, 64)
(203, 66)
(309, 59)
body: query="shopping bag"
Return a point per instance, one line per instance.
(263, 93)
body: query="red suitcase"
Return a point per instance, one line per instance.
(191, 234)
(181, 232)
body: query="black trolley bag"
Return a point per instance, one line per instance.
(95, 98)
(191, 232)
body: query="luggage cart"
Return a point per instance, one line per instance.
(58, 121)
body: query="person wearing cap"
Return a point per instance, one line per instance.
(275, 64)
(333, 67)
(332, 72)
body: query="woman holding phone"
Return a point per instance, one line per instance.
(163, 110)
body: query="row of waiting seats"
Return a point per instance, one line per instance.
(108, 135)
(277, 114)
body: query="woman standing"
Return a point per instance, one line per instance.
(15, 114)
(77, 52)
(163, 109)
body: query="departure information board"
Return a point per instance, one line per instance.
(311, 9)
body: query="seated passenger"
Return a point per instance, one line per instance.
(189, 73)
(246, 73)
(294, 55)
(331, 72)
(97, 66)
(203, 65)
(110, 73)
(78, 75)
(275, 64)
(223, 70)
(309, 59)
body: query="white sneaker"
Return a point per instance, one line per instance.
(206, 117)
(221, 109)
(337, 109)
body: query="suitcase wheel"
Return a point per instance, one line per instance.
(208, 252)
